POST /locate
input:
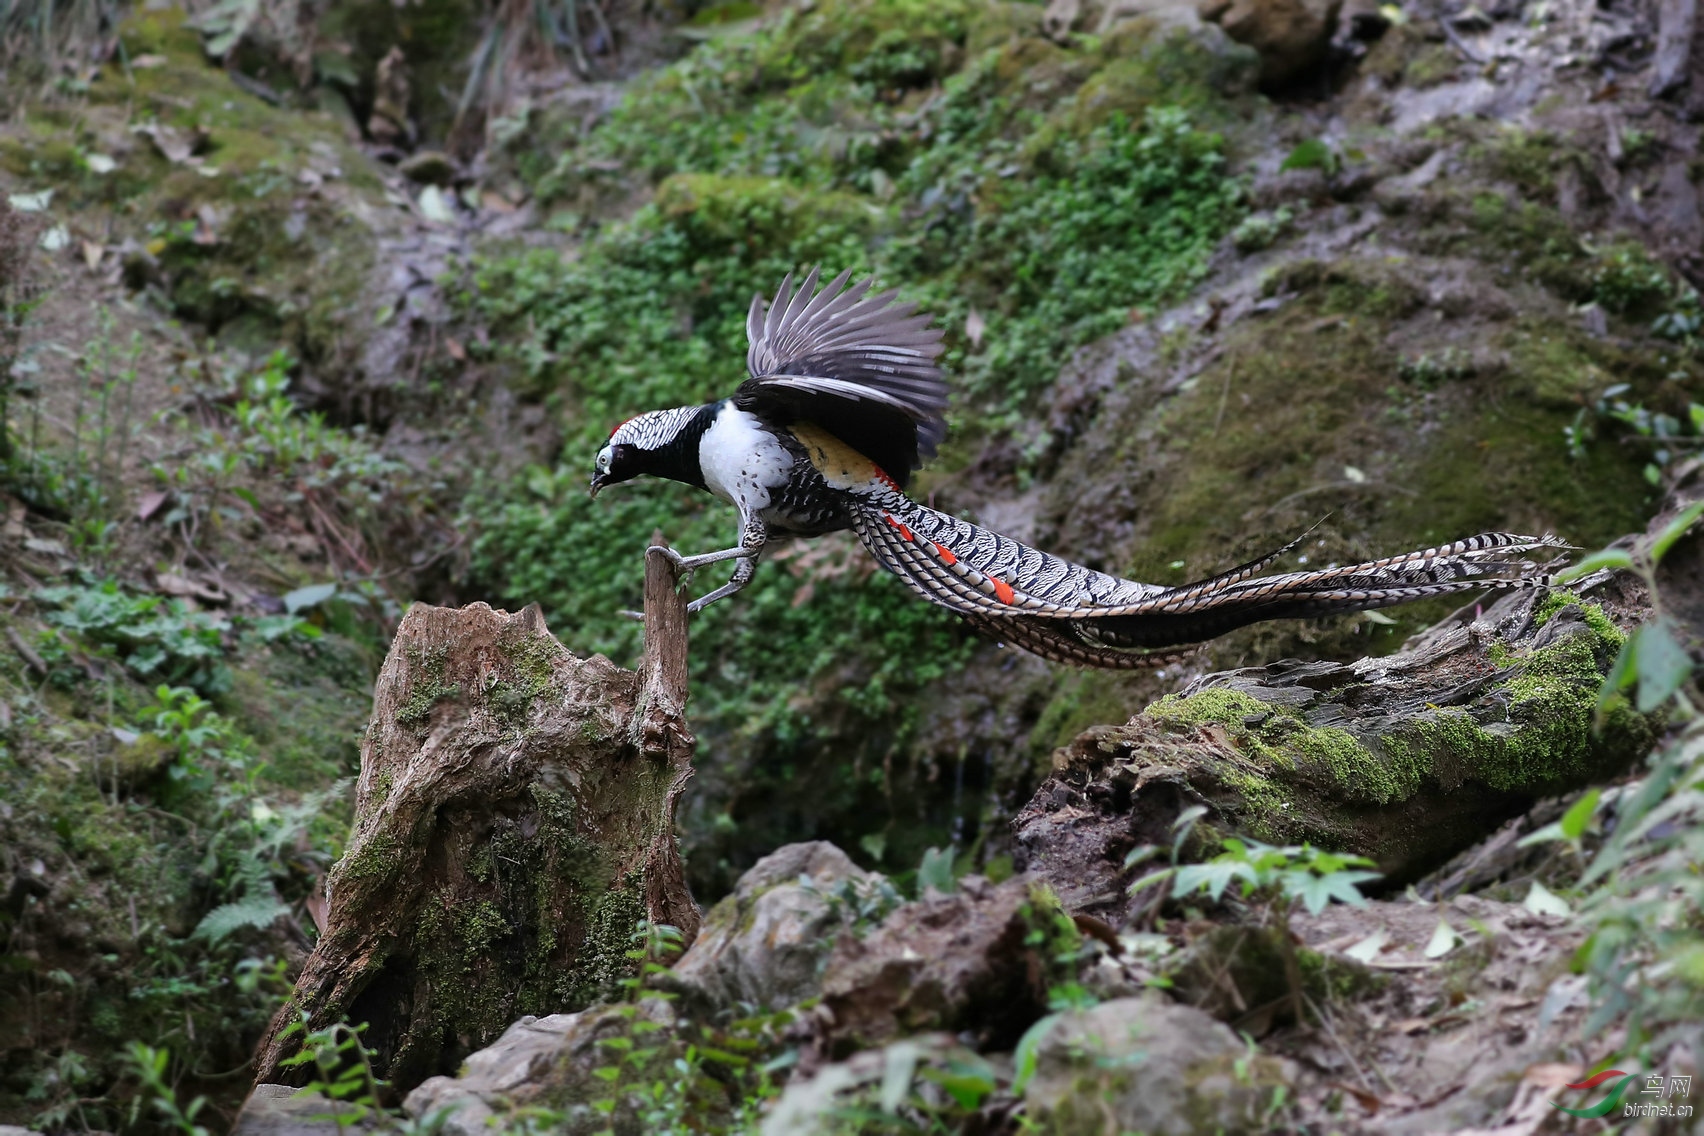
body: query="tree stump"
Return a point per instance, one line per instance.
(514, 820)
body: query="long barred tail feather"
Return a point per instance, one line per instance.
(1073, 614)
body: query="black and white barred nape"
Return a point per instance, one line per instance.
(653, 430)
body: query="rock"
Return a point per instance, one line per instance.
(767, 942)
(1406, 759)
(389, 123)
(284, 1110)
(820, 1103)
(1148, 1065)
(977, 960)
(537, 1060)
(1236, 974)
(429, 167)
(14, 1130)
(1290, 35)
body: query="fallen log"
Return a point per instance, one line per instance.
(1407, 759)
(514, 820)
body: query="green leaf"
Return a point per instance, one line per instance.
(1579, 814)
(1622, 674)
(1548, 834)
(1152, 878)
(968, 1082)
(899, 1066)
(936, 872)
(1316, 892)
(1140, 853)
(311, 596)
(1663, 665)
(1608, 558)
(1674, 530)
(1025, 1055)
(1313, 154)
(250, 911)
(1213, 877)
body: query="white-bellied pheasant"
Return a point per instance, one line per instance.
(845, 400)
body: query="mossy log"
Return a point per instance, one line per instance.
(514, 820)
(1406, 759)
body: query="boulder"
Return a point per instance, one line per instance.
(544, 1061)
(284, 1110)
(1290, 35)
(978, 960)
(429, 167)
(765, 945)
(1148, 1065)
(876, 1081)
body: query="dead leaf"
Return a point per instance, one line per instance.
(1413, 1026)
(147, 62)
(1366, 1100)
(974, 327)
(174, 585)
(1553, 1076)
(454, 348)
(803, 595)
(495, 202)
(92, 254)
(316, 905)
(150, 503)
(174, 145)
(1216, 735)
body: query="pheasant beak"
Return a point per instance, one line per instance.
(598, 482)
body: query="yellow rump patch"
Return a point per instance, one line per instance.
(840, 465)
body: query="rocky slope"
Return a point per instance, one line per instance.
(1209, 276)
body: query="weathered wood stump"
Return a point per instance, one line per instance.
(1406, 759)
(514, 820)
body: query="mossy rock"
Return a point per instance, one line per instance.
(1151, 61)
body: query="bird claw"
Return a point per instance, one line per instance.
(676, 558)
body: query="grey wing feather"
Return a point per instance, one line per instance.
(845, 343)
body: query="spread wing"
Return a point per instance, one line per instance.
(860, 366)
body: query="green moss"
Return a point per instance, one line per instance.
(1332, 979)
(602, 959)
(1356, 771)
(426, 685)
(375, 858)
(1431, 65)
(1077, 701)
(1150, 62)
(1541, 740)
(1215, 705)
(479, 925)
(1052, 935)
(1546, 739)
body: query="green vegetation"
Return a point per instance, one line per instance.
(210, 527)
(1027, 224)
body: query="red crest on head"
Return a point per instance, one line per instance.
(617, 427)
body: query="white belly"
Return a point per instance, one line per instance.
(742, 462)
